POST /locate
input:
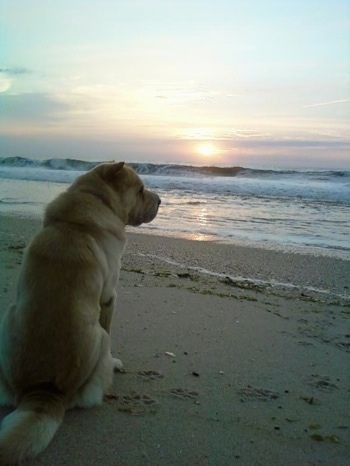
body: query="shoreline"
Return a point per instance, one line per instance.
(198, 237)
(272, 270)
(314, 251)
(219, 371)
(281, 269)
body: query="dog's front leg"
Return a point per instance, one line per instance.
(107, 307)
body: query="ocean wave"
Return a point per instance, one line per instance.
(324, 186)
(141, 168)
(313, 174)
(54, 164)
(17, 201)
(171, 169)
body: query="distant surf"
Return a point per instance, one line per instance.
(164, 169)
(307, 209)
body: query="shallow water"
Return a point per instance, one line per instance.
(292, 211)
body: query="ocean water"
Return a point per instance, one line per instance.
(294, 210)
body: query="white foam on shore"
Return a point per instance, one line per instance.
(286, 211)
(254, 281)
(257, 243)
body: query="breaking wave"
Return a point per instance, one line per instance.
(325, 186)
(166, 169)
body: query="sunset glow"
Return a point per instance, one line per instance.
(206, 149)
(174, 82)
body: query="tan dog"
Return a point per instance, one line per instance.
(54, 342)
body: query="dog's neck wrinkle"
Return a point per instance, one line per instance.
(115, 227)
(94, 228)
(99, 194)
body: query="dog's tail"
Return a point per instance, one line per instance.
(29, 429)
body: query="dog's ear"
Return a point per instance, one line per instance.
(113, 171)
(115, 168)
(109, 171)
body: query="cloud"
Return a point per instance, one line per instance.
(15, 70)
(221, 134)
(5, 83)
(295, 144)
(7, 75)
(332, 102)
(31, 106)
(246, 133)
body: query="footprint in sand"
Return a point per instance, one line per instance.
(150, 375)
(343, 342)
(184, 394)
(251, 393)
(134, 403)
(321, 382)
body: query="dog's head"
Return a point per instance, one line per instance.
(135, 203)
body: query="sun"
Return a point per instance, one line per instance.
(206, 149)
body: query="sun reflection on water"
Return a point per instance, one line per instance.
(202, 217)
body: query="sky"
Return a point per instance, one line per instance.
(262, 83)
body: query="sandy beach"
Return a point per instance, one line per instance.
(233, 356)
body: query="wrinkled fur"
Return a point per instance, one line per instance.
(54, 342)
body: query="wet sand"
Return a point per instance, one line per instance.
(233, 355)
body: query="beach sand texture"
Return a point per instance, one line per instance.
(220, 370)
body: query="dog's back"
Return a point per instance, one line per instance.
(54, 342)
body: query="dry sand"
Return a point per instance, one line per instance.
(219, 370)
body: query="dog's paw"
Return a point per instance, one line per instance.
(118, 365)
